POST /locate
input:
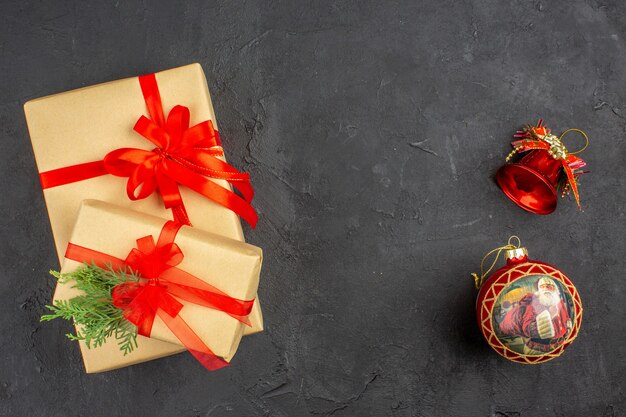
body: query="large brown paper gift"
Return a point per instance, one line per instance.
(83, 125)
(229, 265)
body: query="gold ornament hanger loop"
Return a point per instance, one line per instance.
(519, 242)
(478, 280)
(577, 131)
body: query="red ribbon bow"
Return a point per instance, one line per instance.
(160, 287)
(183, 156)
(533, 137)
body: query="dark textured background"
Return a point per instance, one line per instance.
(368, 241)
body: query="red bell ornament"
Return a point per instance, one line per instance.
(528, 311)
(544, 169)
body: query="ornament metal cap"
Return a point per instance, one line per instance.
(517, 253)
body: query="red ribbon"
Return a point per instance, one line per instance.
(160, 287)
(531, 139)
(183, 156)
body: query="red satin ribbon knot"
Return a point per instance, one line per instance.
(160, 287)
(183, 155)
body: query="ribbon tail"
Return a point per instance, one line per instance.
(571, 179)
(192, 341)
(245, 188)
(204, 162)
(209, 189)
(144, 326)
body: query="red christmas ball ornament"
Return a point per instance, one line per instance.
(528, 311)
(545, 168)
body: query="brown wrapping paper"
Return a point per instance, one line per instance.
(84, 125)
(229, 265)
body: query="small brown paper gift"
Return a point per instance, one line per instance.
(83, 125)
(231, 266)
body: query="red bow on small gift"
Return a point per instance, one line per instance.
(160, 287)
(183, 156)
(539, 137)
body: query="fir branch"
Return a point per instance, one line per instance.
(126, 336)
(96, 317)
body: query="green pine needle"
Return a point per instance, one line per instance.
(93, 312)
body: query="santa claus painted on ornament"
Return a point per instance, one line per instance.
(540, 318)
